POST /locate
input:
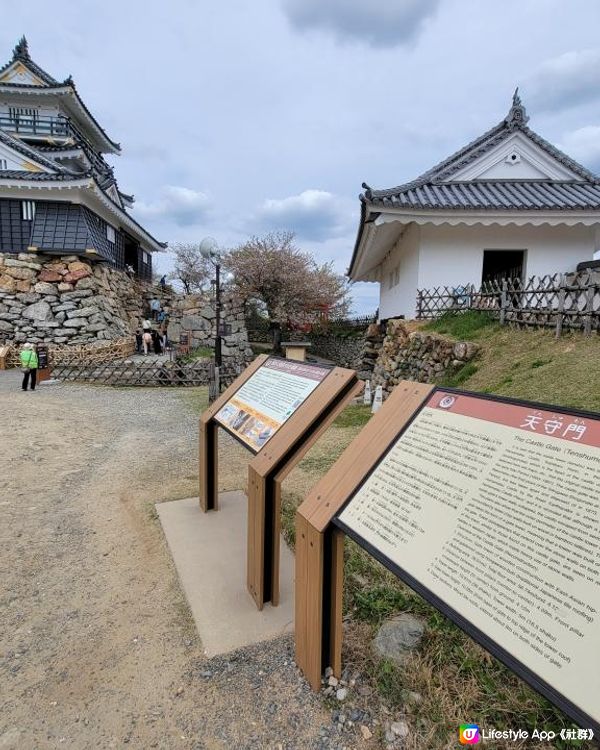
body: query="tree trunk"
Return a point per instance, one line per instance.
(276, 331)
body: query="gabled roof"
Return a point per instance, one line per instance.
(516, 120)
(21, 54)
(451, 184)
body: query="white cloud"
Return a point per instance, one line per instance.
(383, 25)
(313, 214)
(583, 144)
(565, 81)
(177, 205)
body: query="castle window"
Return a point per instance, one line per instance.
(28, 210)
(111, 234)
(3, 164)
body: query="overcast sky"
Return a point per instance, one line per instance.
(240, 117)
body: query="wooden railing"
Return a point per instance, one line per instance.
(25, 124)
(560, 301)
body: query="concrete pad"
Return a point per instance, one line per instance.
(209, 550)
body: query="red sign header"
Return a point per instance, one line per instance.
(582, 430)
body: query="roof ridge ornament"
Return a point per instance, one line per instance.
(21, 50)
(517, 117)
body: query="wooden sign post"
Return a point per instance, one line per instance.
(277, 409)
(43, 372)
(184, 343)
(488, 508)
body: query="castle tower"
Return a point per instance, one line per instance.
(58, 195)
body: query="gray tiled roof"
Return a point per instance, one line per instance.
(431, 190)
(436, 190)
(493, 195)
(17, 174)
(31, 153)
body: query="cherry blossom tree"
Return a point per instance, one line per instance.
(286, 281)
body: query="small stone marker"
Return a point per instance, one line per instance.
(367, 394)
(378, 400)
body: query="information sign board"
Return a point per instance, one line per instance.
(42, 354)
(268, 398)
(490, 509)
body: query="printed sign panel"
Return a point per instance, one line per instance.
(492, 511)
(42, 353)
(268, 399)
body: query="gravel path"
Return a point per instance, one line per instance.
(97, 646)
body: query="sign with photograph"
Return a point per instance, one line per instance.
(268, 399)
(491, 510)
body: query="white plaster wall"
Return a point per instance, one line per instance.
(44, 110)
(403, 265)
(433, 256)
(453, 256)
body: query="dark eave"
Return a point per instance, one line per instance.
(16, 174)
(31, 153)
(87, 181)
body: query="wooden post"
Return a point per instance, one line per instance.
(561, 305)
(319, 546)
(208, 441)
(209, 465)
(419, 303)
(270, 467)
(589, 306)
(503, 301)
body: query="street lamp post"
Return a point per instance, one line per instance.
(210, 250)
(218, 359)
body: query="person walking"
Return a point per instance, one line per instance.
(163, 282)
(138, 341)
(29, 366)
(147, 338)
(154, 307)
(156, 342)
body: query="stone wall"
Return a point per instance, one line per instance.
(69, 300)
(417, 355)
(357, 351)
(345, 351)
(195, 315)
(65, 300)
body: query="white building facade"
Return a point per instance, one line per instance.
(508, 205)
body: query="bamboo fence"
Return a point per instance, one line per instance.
(560, 301)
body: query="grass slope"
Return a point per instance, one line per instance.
(527, 364)
(450, 679)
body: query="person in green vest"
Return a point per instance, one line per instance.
(29, 366)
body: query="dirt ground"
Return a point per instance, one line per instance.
(97, 646)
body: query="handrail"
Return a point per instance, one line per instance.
(32, 124)
(47, 125)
